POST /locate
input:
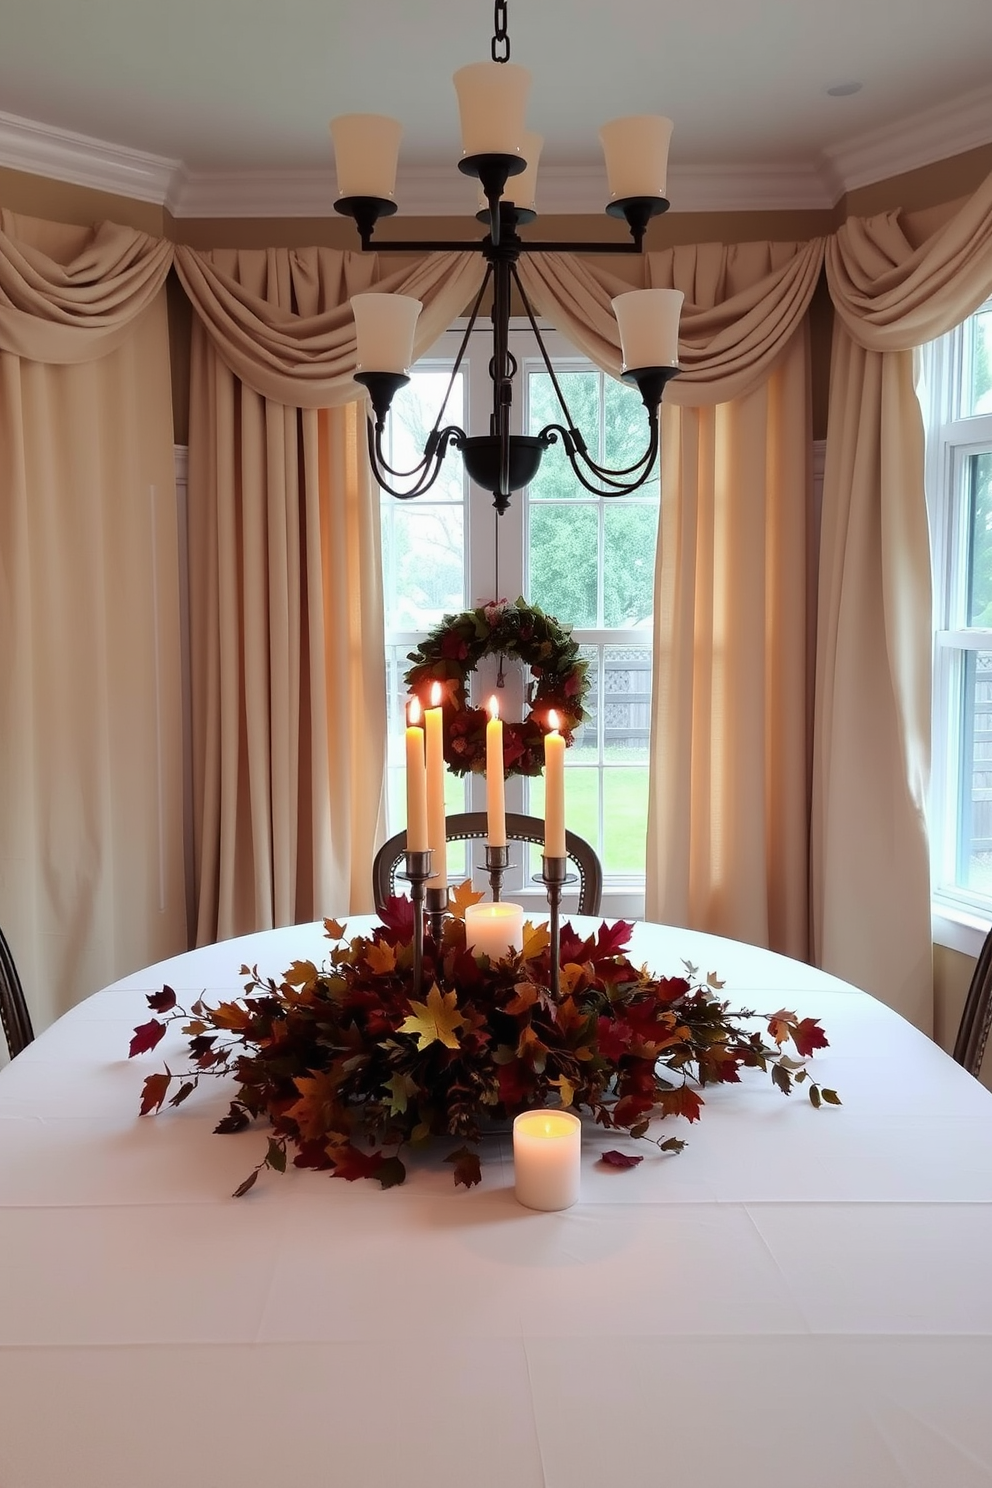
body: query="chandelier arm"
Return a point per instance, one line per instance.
(460, 355)
(576, 455)
(430, 465)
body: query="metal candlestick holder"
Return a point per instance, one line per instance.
(437, 908)
(554, 876)
(418, 871)
(497, 862)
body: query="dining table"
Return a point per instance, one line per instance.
(801, 1298)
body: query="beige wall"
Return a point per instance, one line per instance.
(930, 187)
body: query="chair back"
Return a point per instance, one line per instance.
(470, 826)
(976, 1019)
(13, 1008)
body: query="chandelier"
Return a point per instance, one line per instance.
(503, 157)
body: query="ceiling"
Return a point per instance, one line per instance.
(212, 90)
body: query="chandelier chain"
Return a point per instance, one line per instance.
(501, 40)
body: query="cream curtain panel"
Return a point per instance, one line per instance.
(728, 812)
(289, 725)
(91, 861)
(871, 867)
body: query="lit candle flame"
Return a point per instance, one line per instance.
(553, 720)
(493, 707)
(436, 695)
(413, 713)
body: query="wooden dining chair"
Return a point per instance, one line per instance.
(976, 1019)
(472, 826)
(13, 1009)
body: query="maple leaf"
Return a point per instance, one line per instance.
(614, 1159)
(808, 1035)
(161, 1002)
(300, 973)
(153, 1092)
(381, 957)
(683, 1101)
(334, 930)
(236, 1120)
(400, 1088)
(630, 1107)
(230, 1015)
(318, 1100)
(146, 1036)
(780, 1025)
(565, 1089)
(350, 1163)
(436, 1020)
(611, 939)
(526, 996)
(536, 938)
(782, 1078)
(397, 915)
(468, 1169)
(460, 897)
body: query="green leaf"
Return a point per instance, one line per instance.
(831, 1097)
(275, 1157)
(814, 1095)
(184, 1090)
(782, 1079)
(673, 1144)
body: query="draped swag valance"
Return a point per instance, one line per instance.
(277, 320)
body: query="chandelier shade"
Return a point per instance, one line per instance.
(500, 151)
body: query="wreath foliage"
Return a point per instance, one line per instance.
(454, 649)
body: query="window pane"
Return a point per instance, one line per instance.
(625, 794)
(974, 865)
(977, 381)
(411, 417)
(627, 714)
(626, 431)
(555, 479)
(630, 532)
(423, 548)
(564, 561)
(978, 485)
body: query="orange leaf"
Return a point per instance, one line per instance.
(460, 897)
(381, 957)
(153, 1093)
(536, 939)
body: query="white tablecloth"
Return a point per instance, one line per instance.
(800, 1298)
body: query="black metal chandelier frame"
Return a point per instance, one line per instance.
(502, 462)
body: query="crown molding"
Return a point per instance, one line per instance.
(934, 134)
(42, 150)
(428, 191)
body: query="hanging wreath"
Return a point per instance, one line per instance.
(454, 649)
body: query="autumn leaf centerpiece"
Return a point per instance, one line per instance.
(352, 1070)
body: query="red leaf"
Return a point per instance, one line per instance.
(146, 1036)
(516, 1082)
(809, 1036)
(613, 1038)
(397, 914)
(612, 939)
(161, 1002)
(236, 1120)
(669, 989)
(681, 1102)
(614, 1159)
(153, 1092)
(351, 1164)
(468, 1170)
(630, 1108)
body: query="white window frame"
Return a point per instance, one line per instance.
(961, 918)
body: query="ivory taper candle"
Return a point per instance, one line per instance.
(495, 786)
(416, 780)
(436, 839)
(554, 791)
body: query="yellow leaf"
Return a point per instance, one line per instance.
(460, 897)
(400, 1088)
(381, 957)
(527, 995)
(435, 1021)
(536, 938)
(565, 1089)
(570, 976)
(300, 973)
(334, 929)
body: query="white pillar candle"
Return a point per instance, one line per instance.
(436, 821)
(648, 320)
(554, 791)
(494, 929)
(495, 785)
(547, 1151)
(416, 781)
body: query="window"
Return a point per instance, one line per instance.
(588, 561)
(958, 402)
